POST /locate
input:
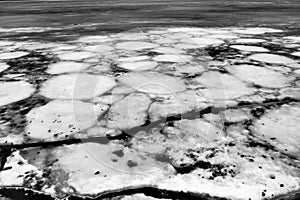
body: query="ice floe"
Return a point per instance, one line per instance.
(66, 67)
(3, 67)
(129, 112)
(60, 119)
(138, 66)
(281, 128)
(76, 86)
(135, 45)
(249, 40)
(271, 58)
(249, 48)
(152, 82)
(296, 54)
(222, 86)
(12, 55)
(203, 42)
(260, 76)
(76, 55)
(14, 91)
(107, 167)
(256, 31)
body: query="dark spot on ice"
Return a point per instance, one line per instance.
(119, 153)
(163, 158)
(97, 172)
(130, 163)
(281, 185)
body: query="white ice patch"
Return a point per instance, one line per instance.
(222, 86)
(3, 67)
(175, 104)
(283, 126)
(108, 167)
(61, 118)
(76, 55)
(249, 40)
(135, 45)
(66, 67)
(129, 112)
(138, 66)
(133, 58)
(256, 31)
(203, 42)
(249, 48)
(296, 54)
(293, 38)
(76, 86)
(12, 55)
(152, 82)
(14, 91)
(99, 48)
(260, 76)
(15, 175)
(271, 58)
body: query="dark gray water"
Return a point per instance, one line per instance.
(93, 16)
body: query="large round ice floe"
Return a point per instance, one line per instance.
(260, 76)
(135, 45)
(129, 112)
(249, 48)
(65, 67)
(153, 82)
(138, 66)
(271, 58)
(62, 118)
(14, 91)
(76, 86)
(218, 86)
(12, 55)
(281, 128)
(108, 167)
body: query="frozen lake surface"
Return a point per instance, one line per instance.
(138, 100)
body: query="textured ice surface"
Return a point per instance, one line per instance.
(281, 128)
(14, 91)
(138, 66)
(129, 112)
(153, 113)
(222, 86)
(65, 67)
(260, 76)
(60, 119)
(152, 82)
(76, 86)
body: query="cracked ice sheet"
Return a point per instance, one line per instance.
(164, 91)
